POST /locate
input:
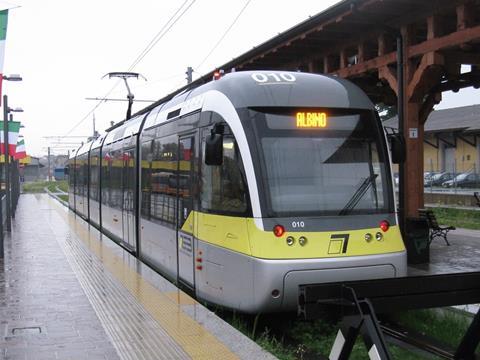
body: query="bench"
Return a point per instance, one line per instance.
(435, 229)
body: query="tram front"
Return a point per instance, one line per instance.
(317, 166)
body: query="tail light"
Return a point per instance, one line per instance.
(278, 230)
(384, 225)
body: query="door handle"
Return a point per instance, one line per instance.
(231, 236)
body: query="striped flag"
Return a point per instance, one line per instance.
(20, 151)
(13, 130)
(3, 36)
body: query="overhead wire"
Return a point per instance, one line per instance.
(159, 35)
(163, 31)
(224, 34)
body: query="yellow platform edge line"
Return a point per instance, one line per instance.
(165, 308)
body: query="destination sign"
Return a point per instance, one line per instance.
(309, 120)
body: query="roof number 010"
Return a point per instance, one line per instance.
(273, 77)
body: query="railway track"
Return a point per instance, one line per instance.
(394, 333)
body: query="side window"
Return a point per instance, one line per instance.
(146, 177)
(223, 189)
(163, 203)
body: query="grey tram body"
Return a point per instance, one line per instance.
(228, 278)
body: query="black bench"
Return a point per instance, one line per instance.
(435, 229)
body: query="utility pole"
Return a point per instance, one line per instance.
(48, 158)
(189, 73)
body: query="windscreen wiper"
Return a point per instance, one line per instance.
(362, 189)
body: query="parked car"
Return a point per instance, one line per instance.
(439, 179)
(427, 176)
(464, 180)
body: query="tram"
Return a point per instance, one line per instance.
(241, 189)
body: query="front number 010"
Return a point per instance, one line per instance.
(298, 224)
(273, 77)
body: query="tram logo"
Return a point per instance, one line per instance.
(338, 244)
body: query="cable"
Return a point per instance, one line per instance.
(94, 108)
(139, 58)
(150, 47)
(225, 33)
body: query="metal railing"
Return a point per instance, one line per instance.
(14, 196)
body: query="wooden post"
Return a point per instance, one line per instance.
(413, 131)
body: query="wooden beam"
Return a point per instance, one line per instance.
(381, 45)
(432, 45)
(423, 78)
(361, 52)
(465, 15)
(433, 27)
(427, 107)
(367, 65)
(448, 41)
(318, 28)
(386, 73)
(343, 59)
(327, 64)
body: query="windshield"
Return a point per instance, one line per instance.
(320, 162)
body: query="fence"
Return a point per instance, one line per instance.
(453, 179)
(14, 196)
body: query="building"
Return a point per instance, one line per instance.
(452, 139)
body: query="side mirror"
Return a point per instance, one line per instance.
(397, 146)
(214, 149)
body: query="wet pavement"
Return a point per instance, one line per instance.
(463, 254)
(67, 292)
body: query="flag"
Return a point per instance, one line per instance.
(13, 130)
(3, 36)
(20, 151)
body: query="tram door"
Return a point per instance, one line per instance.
(185, 219)
(128, 208)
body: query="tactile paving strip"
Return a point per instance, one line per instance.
(142, 322)
(132, 330)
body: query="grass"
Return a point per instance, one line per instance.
(39, 186)
(446, 325)
(289, 338)
(63, 197)
(468, 219)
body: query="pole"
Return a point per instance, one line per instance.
(189, 73)
(48, 159)
(7, 162)
(401, 121)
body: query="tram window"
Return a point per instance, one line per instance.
(223, 189)
(146, 178)
(116, 191)
(94, 174)
(160, 156)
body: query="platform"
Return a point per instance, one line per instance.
(67, 292)
(462, 256)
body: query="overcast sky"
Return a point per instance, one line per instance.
(62, 49)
